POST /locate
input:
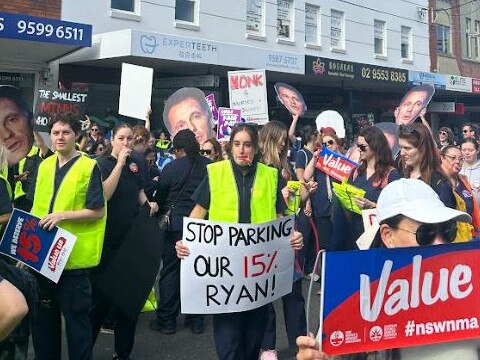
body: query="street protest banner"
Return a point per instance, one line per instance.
(227, 119)
(334, 164)
(235, 267)
(213, 106)
(403, 297)
(44, 251)
(248, 92)
(135, 91)
(50, 102)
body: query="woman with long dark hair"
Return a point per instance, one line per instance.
(177, 183)
(419, 159)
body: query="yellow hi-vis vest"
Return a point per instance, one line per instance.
(9, 190)
(224, 194)
(71, 195)
(34, 151)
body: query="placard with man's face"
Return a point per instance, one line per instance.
(414, 103)
(291, 98)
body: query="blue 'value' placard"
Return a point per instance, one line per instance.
(24, 27)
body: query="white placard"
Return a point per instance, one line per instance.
(135, 91)
(235, 267)
(248, 92)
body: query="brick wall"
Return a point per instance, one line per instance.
(40, 8)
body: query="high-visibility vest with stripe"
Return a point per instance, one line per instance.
(224, 194)
(71, 195)
(9, 189)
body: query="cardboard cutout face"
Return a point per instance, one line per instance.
(333, 119)
(187, 108)
(291, 99)
(413, 103)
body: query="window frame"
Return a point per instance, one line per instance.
(318, 24)
(446, 41)
(127, 15)
(185, 24)
(409, 43)
(383, 54)
(290, 38)
(249, 33)
(340, 48)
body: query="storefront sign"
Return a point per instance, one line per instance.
(446, 108)
(24, 27)
(235, 267)
(404, 297)
(459, 83)
(199, 81)
(419, 77)
(344, 69)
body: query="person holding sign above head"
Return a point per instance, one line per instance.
(187, 108)
(68, 192)
(240, 190)
(414, 104)
(410, 213)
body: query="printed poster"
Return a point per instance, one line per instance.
(42, 250)
(334, 164)
(227, 119)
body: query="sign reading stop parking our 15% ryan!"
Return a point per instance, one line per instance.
(42, 250)
(235, 267)
(404, 297)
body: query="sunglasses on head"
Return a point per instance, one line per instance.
(362, 147)
(206, 152)
(326, 143)
(426, 233)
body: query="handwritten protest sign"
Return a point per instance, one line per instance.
(235, 267)
(227, 119)
(248, 92)
(44, 251)
(213, 106)
(135, 91)
(334, 164)
(392, 298)
(50, 102)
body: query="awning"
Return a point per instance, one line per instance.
(35, 40)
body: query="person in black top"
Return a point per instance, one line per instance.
(124, 175)
(185, 173)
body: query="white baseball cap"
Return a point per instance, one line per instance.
(416, 200)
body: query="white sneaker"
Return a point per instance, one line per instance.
(268, 355)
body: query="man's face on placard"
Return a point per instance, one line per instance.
(411, 107)
(292, 100)
(188, 114)
(15, 133)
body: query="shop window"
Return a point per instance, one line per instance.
(337, 31)
(255, 19)
(285, 29)
(380, 38)
(406, 43)
(312, 24)
(444, 39)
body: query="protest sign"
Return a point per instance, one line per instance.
(291, 98)
(345, 194)
(135, 91)
(248, 92)
(227, 119)
(235, 267)
(213, 106)
(403, 297)
(50, 102)
(334, 164)
(44, 251)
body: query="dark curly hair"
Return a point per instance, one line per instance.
(185, 139)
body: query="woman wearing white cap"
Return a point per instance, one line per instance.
(410, 213)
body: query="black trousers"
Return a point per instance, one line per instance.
(169, 285)
(72, 298)
(238, 336)
(124, 326)
(294, 317)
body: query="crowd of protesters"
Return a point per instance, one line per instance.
(113, 172)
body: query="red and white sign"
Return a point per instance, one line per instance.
(448, 107)
(476, 86)
(335, 165)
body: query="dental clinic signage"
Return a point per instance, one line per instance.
(24, 27)
(404, 297)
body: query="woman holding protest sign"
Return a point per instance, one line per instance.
(125, 174)
(374, 172)
(240, 190)
(419, 159)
